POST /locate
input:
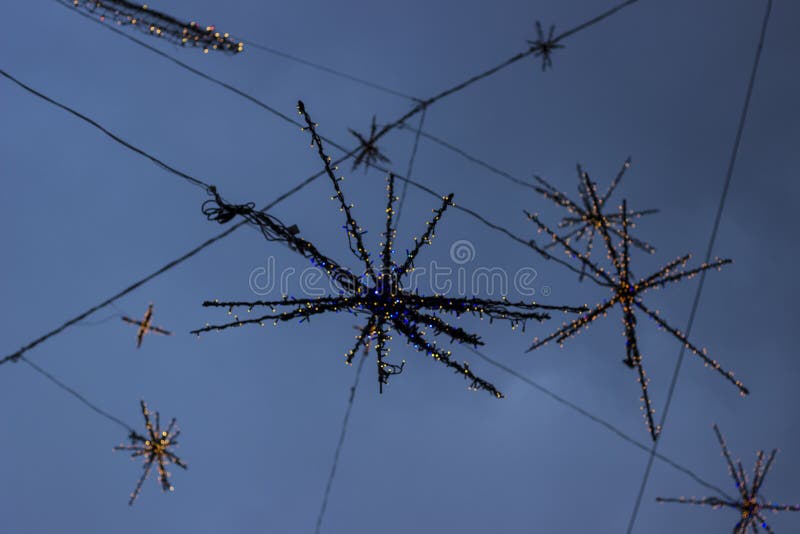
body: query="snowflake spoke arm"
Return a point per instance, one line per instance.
(361, 339)
(163, 474)
(681, 275)
(138, 489)
(600, 273)
(303, 311)
(495, 309)
(230, 304)
(389, 232)
(698, 352)
(764, 524)
(161, 331)
(354, 231)
(703, 501)
(664, 271)
(440, 327)
(551, 193)
(414, 337)
(757, 470)
(781, 507)
(615, 182)
(740, 485)
(635, 361)
(577, 233)
(427, 236)
(596, 208)
(385, 370)
(638, 243)
(574, 327)
(589, 245)
(761, 470)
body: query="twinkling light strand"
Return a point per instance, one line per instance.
(712, 239)
(750, 505)
(152, 22)
(379, 293)
(155, 447)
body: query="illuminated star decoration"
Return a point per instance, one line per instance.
(544, 46)
(584, 217)
(368, 153)
(146, 20)
(751, 505)
(156, 447)
(146, 326)
(628, 294)
(378, 294)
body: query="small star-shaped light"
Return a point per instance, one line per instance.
(750, 504)
(585, 217)
(368, 153)
(544, 47)
(627, 293)
(156, 447)
(379, 294)
(146, 326)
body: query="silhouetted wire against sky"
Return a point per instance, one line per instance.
(191, 179)
(715, 229)
(330, 70)
(416, 131)
(410, 168)
(198, 182)
(599, 420)
(340, 444)
(92, 406)
(469, 157)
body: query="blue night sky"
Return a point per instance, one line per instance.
(260, 409)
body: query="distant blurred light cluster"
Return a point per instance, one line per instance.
(146, 20)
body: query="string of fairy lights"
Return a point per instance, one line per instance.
(158, 24)
(379, 295)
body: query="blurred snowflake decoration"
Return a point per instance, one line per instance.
(368, 153)
(156, 447)
(750, 505)
(586, 217)
(145, 326)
